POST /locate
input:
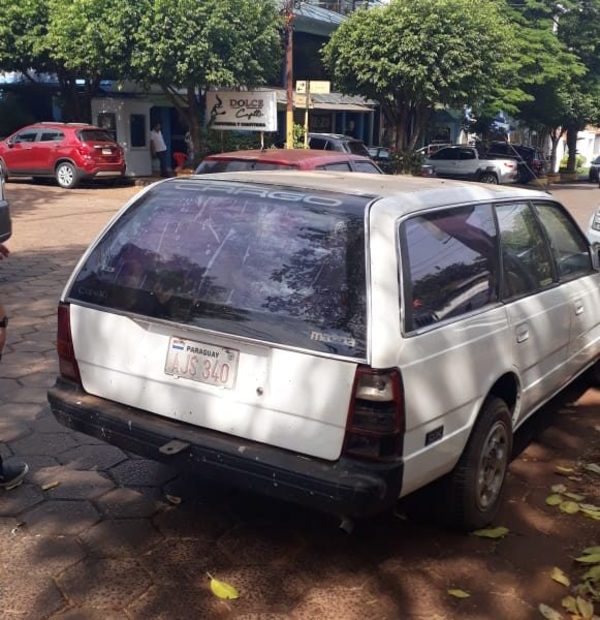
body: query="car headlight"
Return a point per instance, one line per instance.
(596, 220)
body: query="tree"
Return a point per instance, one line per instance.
(413, 54)
(89, 40)
(187, 46)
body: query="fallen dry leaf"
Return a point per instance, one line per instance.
(222, 590)
(173, 499)
(590, 550)
(592, 558)
(50, 485)
(585, 608)
(549, 613)
(554, 499)
(593, 467)
(569, 507)
(575, 496)
(558, 488)
(564, 471)
(496, 532)
(458, 593)
(560, 577)
(570, 604)
(593, 574)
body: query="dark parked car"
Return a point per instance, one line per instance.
(286, 159)
(68, 152)
(337, 142)
(594, 173)
(531, 163)
(5, 223)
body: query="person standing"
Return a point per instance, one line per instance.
(158, 148)
(11, 474)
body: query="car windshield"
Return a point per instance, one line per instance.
(270, 263)
(95, 135)
(238, 165)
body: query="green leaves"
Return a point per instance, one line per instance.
(222, 590)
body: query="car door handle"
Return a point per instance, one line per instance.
(522, 333)
(579, 308)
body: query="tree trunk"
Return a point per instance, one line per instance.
(572, 146)
(556, 134)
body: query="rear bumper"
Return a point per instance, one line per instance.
(345, 487)
(95, 170)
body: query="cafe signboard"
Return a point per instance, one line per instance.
(241, 110)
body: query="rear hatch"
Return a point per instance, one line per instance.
(235, 307)
(102, 145)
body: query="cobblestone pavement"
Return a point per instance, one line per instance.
(91, 534)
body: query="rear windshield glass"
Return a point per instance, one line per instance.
(271, 263)
(95, 135)
(237, 165)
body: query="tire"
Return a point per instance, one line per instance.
(488, 177)
(66, 175)
(3, 171)
(472, 501)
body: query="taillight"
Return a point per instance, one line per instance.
(509, 165)
(67, 363)
(376, 416)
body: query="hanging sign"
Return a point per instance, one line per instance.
(241, 110)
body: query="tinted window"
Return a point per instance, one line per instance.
(95, 135)
(445, 154)
(358, 148)
(52, 136)
(466, 154)
(366, 166)
(451, 268)
(237, 165)
(317, 143)
(273, 264)
(138, 130)
(25, 136)
(527, 265)
(340, 166)
(569, 247)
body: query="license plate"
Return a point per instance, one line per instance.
(106, 151)
(202, 362)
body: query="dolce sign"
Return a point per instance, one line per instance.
(242, 110)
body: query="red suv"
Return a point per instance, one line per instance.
(69, 152)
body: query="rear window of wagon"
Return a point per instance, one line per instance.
(276, 264)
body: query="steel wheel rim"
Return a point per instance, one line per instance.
(65, 175)
(492, 465)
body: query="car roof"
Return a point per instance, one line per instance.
(58, 125)
(286, 156)
(333, 136)
(399, 193)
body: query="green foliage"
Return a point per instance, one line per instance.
(413, 54)
(214, 42)
(406, 162)
(580, 164)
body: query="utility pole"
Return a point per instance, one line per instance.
(289, 73)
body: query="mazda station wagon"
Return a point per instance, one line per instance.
(335, 340)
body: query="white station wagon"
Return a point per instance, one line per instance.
(336, 340)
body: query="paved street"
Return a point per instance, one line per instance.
(92, 534)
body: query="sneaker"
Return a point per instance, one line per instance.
(12, 474)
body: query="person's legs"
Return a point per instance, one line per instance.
(162, 159)
(12, 474)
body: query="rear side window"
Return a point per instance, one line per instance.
(95, 135)
(450, 264)
(444, 154)
(52, 136)
(272, 264)
(569, 247)
(358, 148)
(340, 166)
(366, 166)
(237, 165)
(526, 261)
(318, 143)
(26, 136)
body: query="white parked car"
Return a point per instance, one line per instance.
(337, 340)
(468, 163)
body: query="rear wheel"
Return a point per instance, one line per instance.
(488, 177)
(473, 490)
(66, 175)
